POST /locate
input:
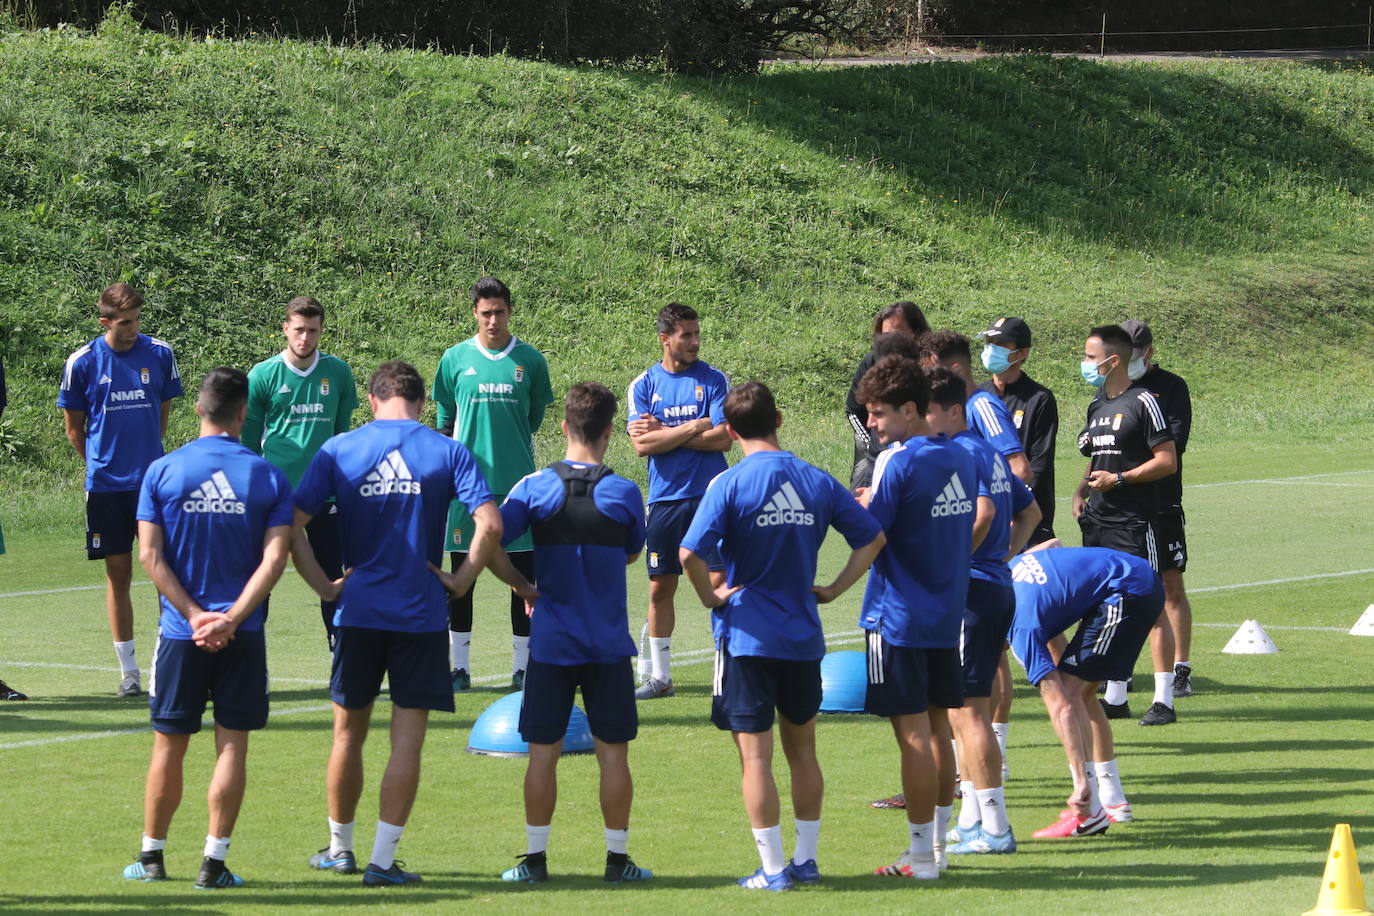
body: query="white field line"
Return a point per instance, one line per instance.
(1227, 588)
(121, 732)
(1237, 626)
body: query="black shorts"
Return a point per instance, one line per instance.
(415, 665)
(987, 619)
(111, 523)
(185, 677)
(608, 694)
(1173, 544)
(326, 540)
(665, 525)
(1135, 537)
(1109, 640)
(903, 680)
(747, 688)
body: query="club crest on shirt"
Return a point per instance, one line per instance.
(701, 394)
(324, 387)
(458, 535)
(1116, 422)
(143, 376)
(1018, 417)
(653, 559)
(519, 373)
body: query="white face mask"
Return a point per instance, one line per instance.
(1136, 368)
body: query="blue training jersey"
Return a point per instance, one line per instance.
(581, 615)
(393, 481)
(922, 495)
(1058, 587)
(770, 514)
(1009, 496)
(214, 500)
(122, 396)
(675, 398)
(989, 418)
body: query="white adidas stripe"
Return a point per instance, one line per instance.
(1152, 406)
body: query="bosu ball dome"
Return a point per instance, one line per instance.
(844, 681)
(496, 733)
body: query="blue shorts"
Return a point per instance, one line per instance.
(111, 523)
(1109, 639)
(904, 680)
(665, 525)
(987, 618)
(608, 697)
(185, 677)
(748, 688)
(415, 665)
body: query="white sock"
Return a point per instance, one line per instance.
(769, 842)
(217, 847)
(124, 651)
(617, 841)
(460, 650)
(808, 838)
(968, 805)
(537, 838)
(340, 837)
(520, 653)
(1094, 798)
(1164, 688)
(1000, 730)
(1184, 664)
(152, 845)
(942, 816)
(922, 837)
(644, 662)
(1116, 693)
(384, 846)
(1109, 783)
(993, 807)
(658, 652)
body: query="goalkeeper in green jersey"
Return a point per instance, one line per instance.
(296, 401)
(491, 392)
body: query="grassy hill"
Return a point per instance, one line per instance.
(1227, 203)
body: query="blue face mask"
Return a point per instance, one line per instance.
(996, 359)
(1090, 373)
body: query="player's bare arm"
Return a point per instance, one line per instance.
(307, 566)
(1164, 463)
(486, 541)
(697, 574)
(154, 560)
(860, 558)
(1023, 526)
(164, 416)
(985, 510)
(74, 423)
(666, 438)
(1020, 466)
(714, 439)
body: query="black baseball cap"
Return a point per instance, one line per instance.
(1009, 331)
(1140, 333)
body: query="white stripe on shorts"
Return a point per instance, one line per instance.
(875, 657)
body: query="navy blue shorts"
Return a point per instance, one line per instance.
(186, 677)
(608, 697)
(987, 619)
(665, 525)
(748, 688)
(111, 523)
(903, 680)
(415, 665)
(1109, 640)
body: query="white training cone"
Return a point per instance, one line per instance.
(1365, 625)
(1251, 639)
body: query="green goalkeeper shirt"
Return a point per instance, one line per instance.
(292, 412)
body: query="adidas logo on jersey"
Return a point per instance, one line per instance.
(785, 508)
(391, 476)
(1028, 569)
(284, 389)
(952, 500)
(215, 495)
(1000, 481)
(471, 371)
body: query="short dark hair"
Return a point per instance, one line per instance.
(895, 380)
(116, 298)
(900, 344)
(909, 312)
(396, 379)
(946, 388)
(222, 392)
(306, 307)
(673, 314)
(589, 410)
(943, 345)
(1115, 340)
(491, 288)
(751, 411)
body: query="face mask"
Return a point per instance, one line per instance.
(1090, 373)
(1136, 368)
(995, 358)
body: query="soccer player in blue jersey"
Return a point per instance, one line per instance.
(6, 691)
(770, 514)
(214, 527)
(677, 421)
(587, 524)
(393, 480)
(116, 394)
(1005, 514)
(985, 414)
(923, 496)
(1115, 598)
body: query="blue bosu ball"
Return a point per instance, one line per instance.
(496, 733)
(844, 681)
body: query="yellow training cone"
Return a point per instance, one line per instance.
(1342, 892)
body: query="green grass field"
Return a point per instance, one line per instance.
(1235, 803)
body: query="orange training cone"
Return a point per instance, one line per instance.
(1342, 892)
